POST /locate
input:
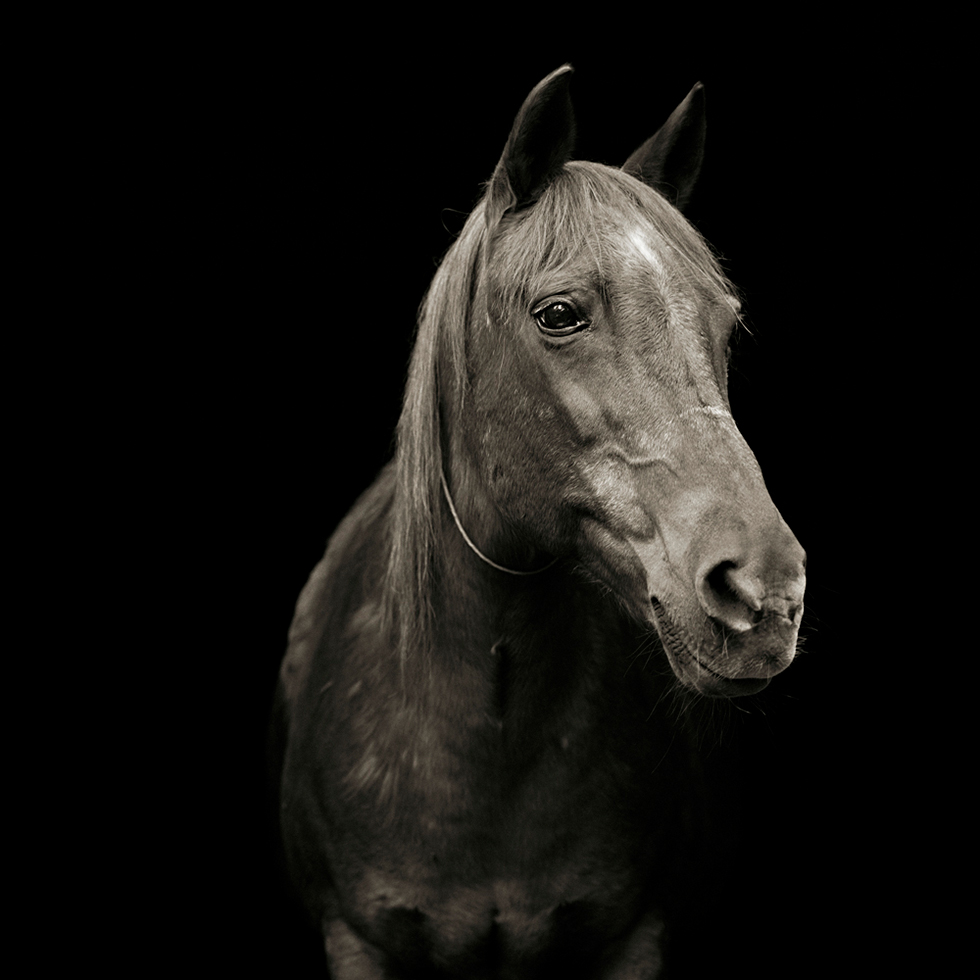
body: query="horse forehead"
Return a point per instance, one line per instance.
(648, 246)
(650, 253)
(652, 259)
(650, 266)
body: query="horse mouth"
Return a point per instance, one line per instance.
(691, 670)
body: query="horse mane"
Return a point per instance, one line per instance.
(576, 212)
(443, 316)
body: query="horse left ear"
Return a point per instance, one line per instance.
(670, 160)
(540, 142)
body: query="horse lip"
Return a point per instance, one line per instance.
(727, 687)
(707, 680)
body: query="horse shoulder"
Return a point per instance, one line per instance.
(317, 604)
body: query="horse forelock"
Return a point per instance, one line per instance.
(584, 219)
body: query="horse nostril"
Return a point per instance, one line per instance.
(728, 595)
(794, 614)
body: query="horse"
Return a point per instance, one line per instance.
(485, 770)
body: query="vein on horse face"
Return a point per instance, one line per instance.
(639, 462)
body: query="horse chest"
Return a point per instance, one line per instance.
(491, 845)
(501, 781)
(506, 847)
(504, 920)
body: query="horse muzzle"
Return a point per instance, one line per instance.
(732, 624)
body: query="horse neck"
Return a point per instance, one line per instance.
(472, 594)
(478, 607)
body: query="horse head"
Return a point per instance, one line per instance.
(595, 417)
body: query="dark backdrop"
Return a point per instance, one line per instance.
(315, 181)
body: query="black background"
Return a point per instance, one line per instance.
(306, 180)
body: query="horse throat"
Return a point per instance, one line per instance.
(475, 549)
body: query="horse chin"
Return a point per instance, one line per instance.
(720, 665)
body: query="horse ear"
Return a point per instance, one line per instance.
(540, 142)
(670, 160)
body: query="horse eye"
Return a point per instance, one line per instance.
(560, 318)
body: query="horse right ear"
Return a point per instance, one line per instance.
(670, 160)
(540, 142)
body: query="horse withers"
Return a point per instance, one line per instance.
(485, 772)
